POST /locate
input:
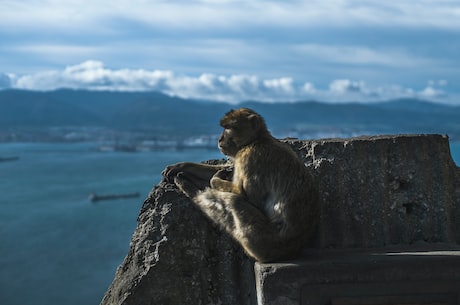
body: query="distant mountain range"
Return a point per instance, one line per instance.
(153, 114)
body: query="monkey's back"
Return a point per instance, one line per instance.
(277, 182)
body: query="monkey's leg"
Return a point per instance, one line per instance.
(244, 222)
(189, 185)
(260, 237)
(207, 201)
(254, 230)
(214, 205)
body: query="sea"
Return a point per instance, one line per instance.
(56, 246)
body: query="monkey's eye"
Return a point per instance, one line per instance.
(229, 127)
(235, 128)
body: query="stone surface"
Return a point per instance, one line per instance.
(417, 274)
(376, 191)
(385, 190)
(177, 257)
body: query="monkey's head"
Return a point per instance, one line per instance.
(241, 127)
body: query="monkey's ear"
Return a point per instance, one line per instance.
(255, 120)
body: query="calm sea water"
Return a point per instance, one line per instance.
(56, 247)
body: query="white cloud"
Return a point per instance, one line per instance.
(315, 40)
(308, 88)
(342, 86)
(359, 90)
(283, 85)
(361, 55)
(231, 14)
(440, 82)
(432, 93)
(93, 75)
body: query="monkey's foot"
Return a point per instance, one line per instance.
(185, 184)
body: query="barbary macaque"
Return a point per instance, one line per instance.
(268, 202)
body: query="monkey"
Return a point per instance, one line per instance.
(265, 198)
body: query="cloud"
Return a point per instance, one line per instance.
(231, 14)
(93, 75)
(361, 55)
(308, 88)
(318, 41)
(342, 86)
(432, 93)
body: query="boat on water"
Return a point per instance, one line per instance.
(93, 197)
(7, 159)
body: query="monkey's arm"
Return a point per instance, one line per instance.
(224, 185)
(222, 181)
(197, 170)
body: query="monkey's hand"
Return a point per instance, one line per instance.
(196, 171)
(173, 170)
(221, 183)
(224, 174)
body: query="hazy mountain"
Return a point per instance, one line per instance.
(158, 114)
(115, 110)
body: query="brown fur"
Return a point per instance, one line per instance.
(268, 204)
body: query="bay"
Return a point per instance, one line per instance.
(57, 247)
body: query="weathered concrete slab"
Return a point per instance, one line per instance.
(385, 190)
(391, 275)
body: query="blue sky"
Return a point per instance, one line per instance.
(336, 51)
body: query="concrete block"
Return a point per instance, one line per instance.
(422, 274)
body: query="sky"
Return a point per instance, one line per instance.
(233, 51)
